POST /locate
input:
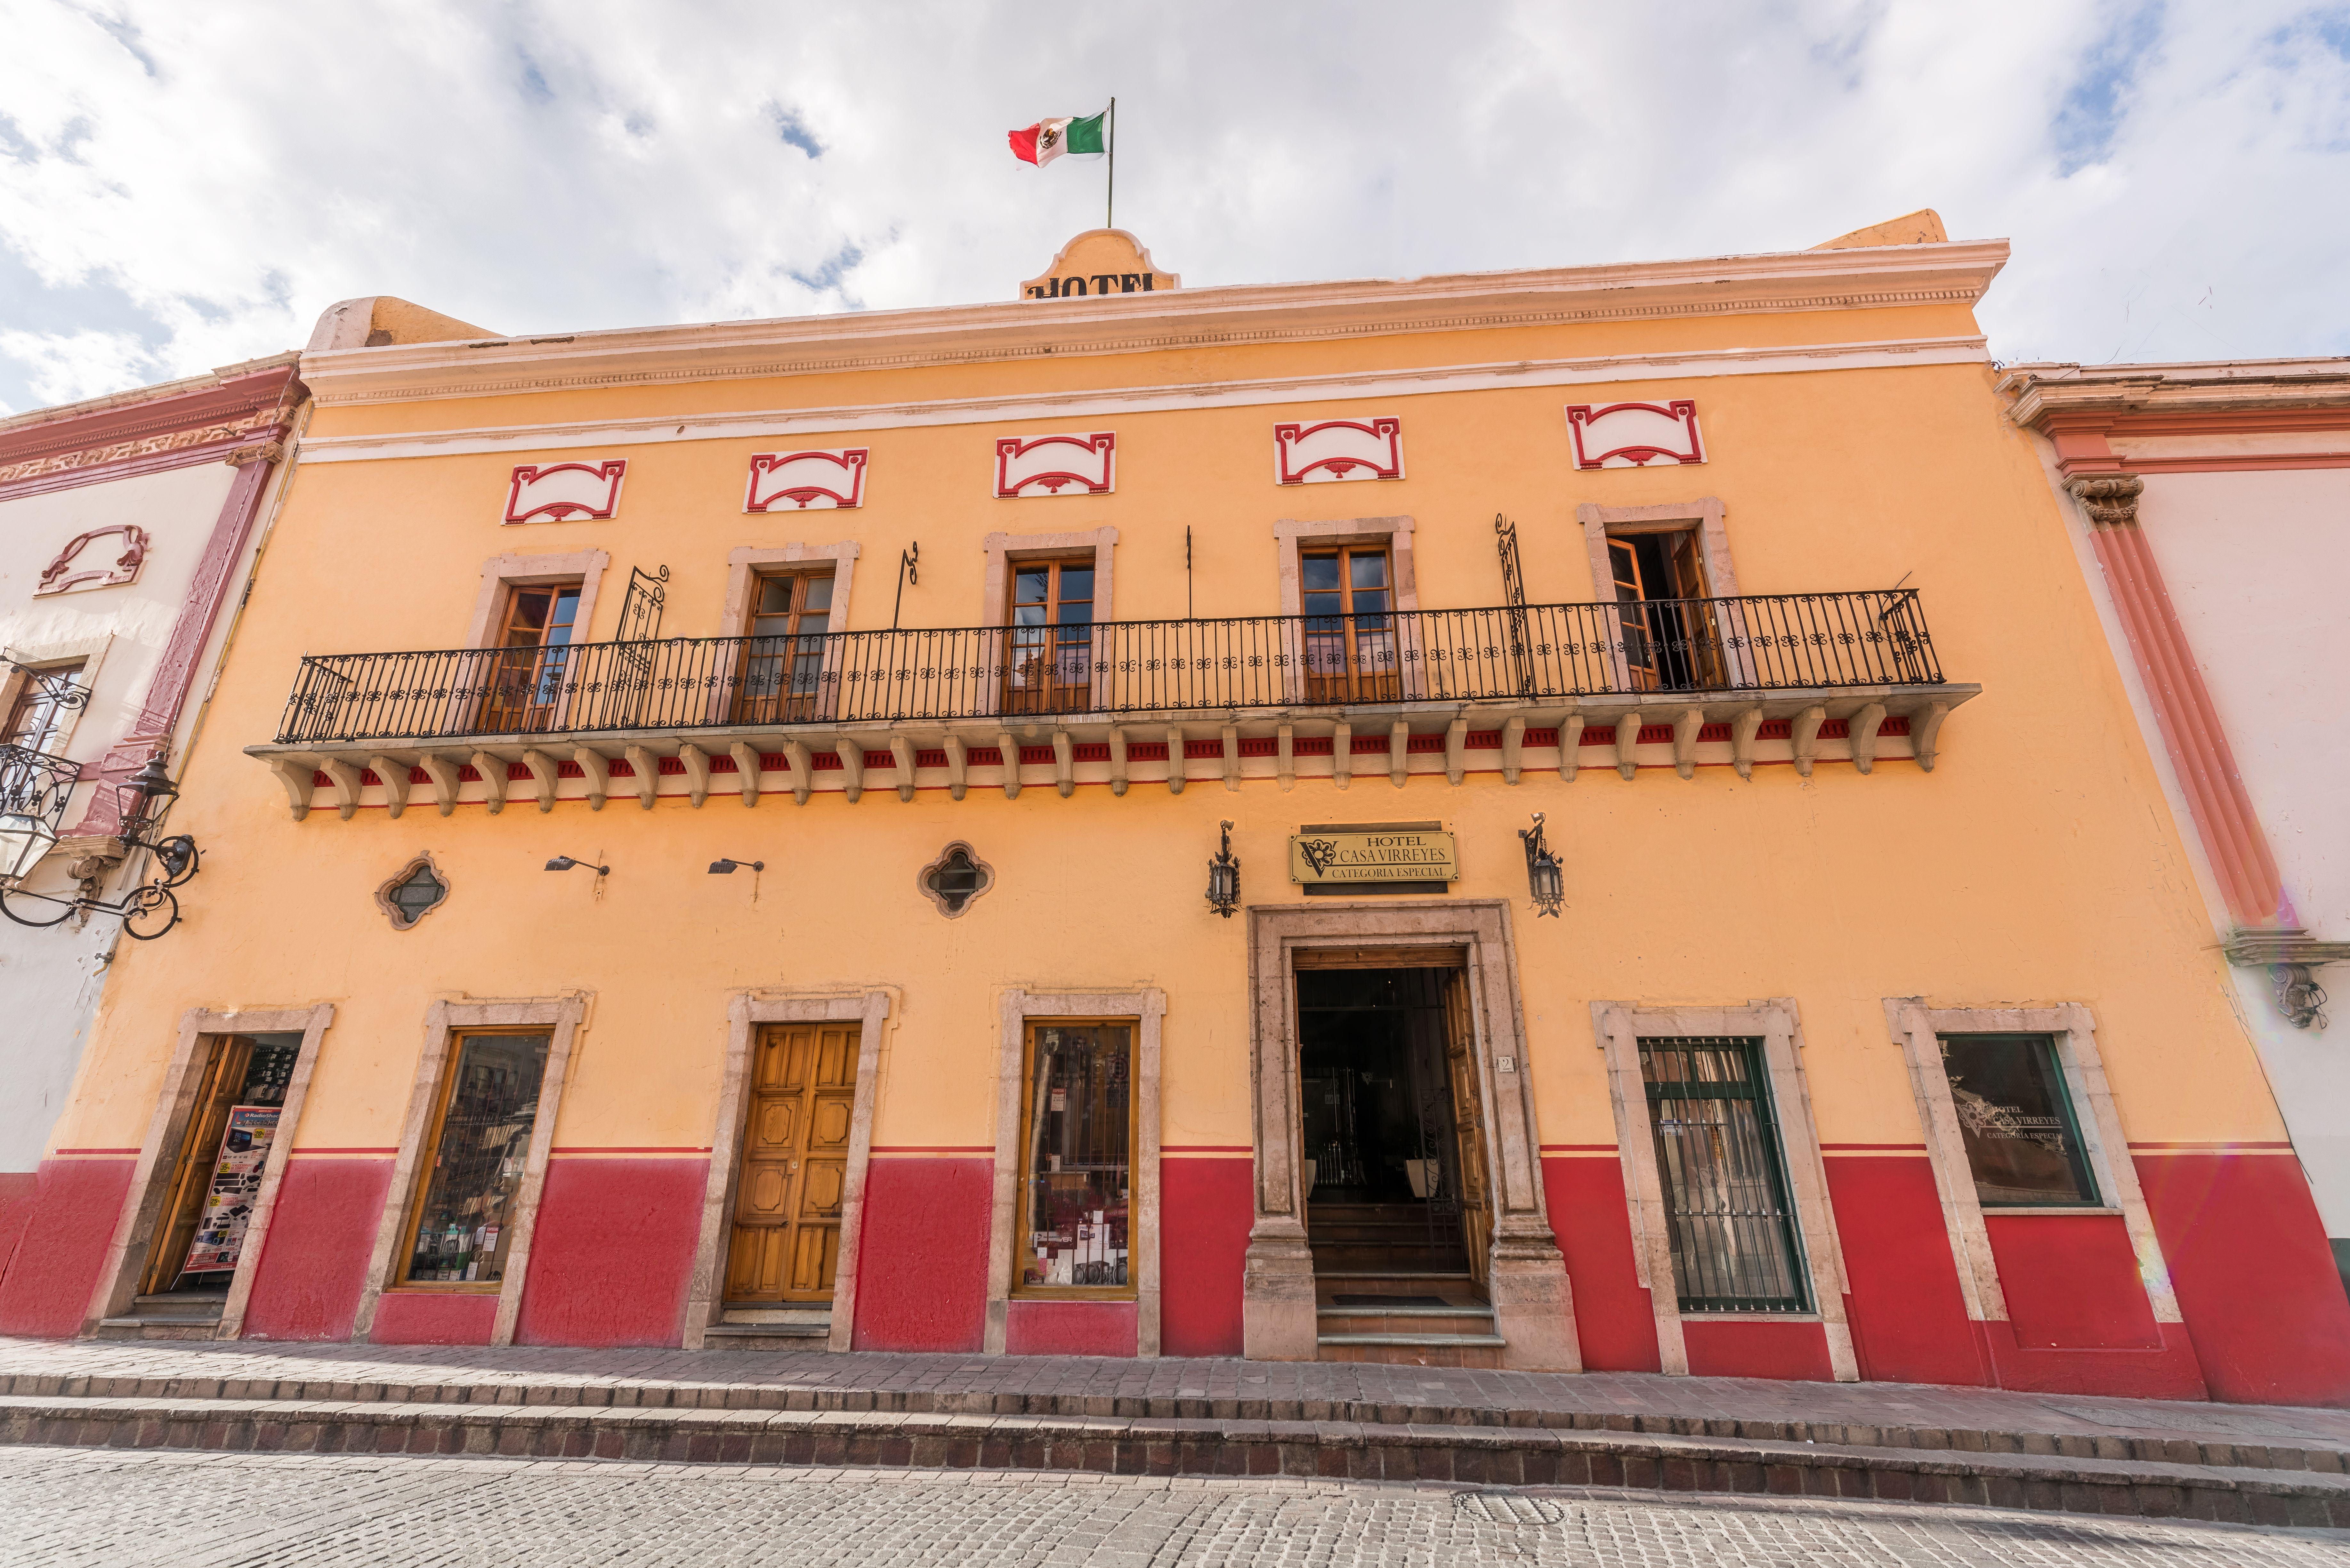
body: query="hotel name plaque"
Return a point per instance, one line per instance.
(1372, 855)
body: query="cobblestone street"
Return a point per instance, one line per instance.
(69, 1508)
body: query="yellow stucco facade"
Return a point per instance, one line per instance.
(1852, 442)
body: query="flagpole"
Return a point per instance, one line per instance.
(1110, 214)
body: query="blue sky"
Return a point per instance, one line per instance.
(186, 186)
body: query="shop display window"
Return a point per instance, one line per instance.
(1077, 1178)
(464, 1226)
(2023, 1146)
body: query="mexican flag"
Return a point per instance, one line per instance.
(1048, 139)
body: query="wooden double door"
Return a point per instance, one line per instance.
(786, 1233)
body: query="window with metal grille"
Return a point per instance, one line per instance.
(1725, 1185)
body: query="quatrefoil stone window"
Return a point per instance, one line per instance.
(955, 879)
(415, 892)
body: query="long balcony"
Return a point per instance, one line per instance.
(1115, 691)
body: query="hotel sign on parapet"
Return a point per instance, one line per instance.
(1379, 855)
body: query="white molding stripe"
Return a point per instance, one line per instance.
(801, 424)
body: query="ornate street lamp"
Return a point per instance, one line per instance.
(1546, 879)
(1224, 878)
(151, 909)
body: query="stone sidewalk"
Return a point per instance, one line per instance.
(2258, 1464)
(1205, 1388)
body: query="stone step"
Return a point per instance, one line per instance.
(1468, 1317)
(1132, 1445)
(800, 1337)
(1429, 1347)
(824, 1387)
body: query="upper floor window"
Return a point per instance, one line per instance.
(1349, 597)
(36, 717)
(784, 665)
(1050, 665)
(1668, 644)
(534, 640)
(2023, 1146)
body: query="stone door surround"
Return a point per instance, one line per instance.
(1532, 1308)
(159, 1154)
(872, 1007)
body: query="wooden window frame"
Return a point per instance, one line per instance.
(1053, 564)
(1352, 677)
(1146, 1009)
(1294, 539)
(1129, 1290)
(405, 1253)
(1618, 1027)
(41, 658)
(562, 1018)
(875, 1009)
(2071, 1029)
(1708, 517)
(149, 1191)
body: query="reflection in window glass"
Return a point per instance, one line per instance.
(1732, 1227)
(1078, 1121)
(2022, 1145)
(465, 1225)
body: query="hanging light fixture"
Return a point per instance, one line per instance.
(1224, 878)
(728, 868)
(151, 909)
(1545, 879)
(566, 863)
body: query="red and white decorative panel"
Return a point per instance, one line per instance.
(1056, 464)
(85, 562)
(1635, 435)
(1337, 449)
(806, 480)
(560, 492)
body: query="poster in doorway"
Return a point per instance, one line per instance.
(236, 1182)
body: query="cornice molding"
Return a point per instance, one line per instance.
(2181, 399)
(1094, 403)
(1882, 278)
(226, 410)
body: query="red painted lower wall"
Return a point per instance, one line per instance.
(1796, 1351)
(2255, 1279)
(1069, 1328)
(52, 1276)
(435, 1317)
(922, 1269)
(1908, 1314)
(2168, 1372)
(20, 1191)
(612, 1252)
(313, 1267)
(1614, 1322)
(2071, 1282)
(1205, 1209)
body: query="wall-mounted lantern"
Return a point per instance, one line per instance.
(1546, 879)
(728, 868)
(147, 911)
(1224, 878)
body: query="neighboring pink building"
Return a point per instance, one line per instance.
(2213, 510)
(126, 525)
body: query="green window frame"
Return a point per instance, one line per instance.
(1729, 1211)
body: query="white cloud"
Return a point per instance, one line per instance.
(181, 187)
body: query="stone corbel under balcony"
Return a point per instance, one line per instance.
(1684, 732)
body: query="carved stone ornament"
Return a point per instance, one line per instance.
(955, 879)
(415, 892)
(79, 565)
(2110, 500)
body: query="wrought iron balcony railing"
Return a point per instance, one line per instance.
(1761, 644)
(34, 789)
